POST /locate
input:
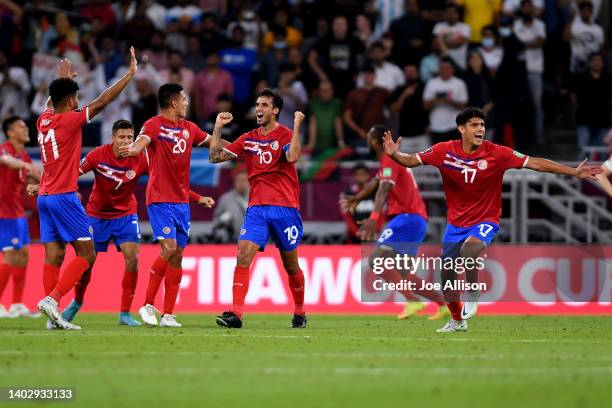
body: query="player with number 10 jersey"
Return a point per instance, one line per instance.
(270, 153)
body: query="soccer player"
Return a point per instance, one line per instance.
(62, 217)
(472, 170)
(15, 170)
(270, 152)
(396, 187)
(170, 139)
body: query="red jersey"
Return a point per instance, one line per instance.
(472, 182)
(272, 178)
(404, 197)
(13, 183)
(112, 195)
(170, 155)
(60, 139)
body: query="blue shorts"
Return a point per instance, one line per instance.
(404, 233)
(63, 219)
(284, 224)
(120, 230)
(170, 221)
(14, 233)
(455, 236)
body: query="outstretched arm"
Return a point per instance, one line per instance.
(112, 92)
(392, 150)
(348, 203)
(583, 171)
(216, 153)
(295, 148)
(135, 148)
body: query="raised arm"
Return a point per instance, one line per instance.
(368, 231)
(112, 92)
(392, 150)
(216, 153)
(583, 171)
(295, 147)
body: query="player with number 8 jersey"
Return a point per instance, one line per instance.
(472, 171)
(62, 217)
(270, 153)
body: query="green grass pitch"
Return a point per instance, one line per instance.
(338, 361)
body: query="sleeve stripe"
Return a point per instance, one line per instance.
(526, 161)
(146, 153)
(142, 135)
(205, 140)
(229, 151)
(87, 114)
(418, 156)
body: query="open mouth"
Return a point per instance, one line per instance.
(260, 116)
(479, 137)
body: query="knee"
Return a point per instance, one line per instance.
(244, 258)
(169, 250)
(292, 268)
(56, 258)
(131, 261)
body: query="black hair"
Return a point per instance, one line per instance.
(469, 113)
(122, 124)
(360, 166)
(491, 28)
(368, 68)
(61, 89)
(377, 44)
(167, 92)
(277, 99)
(448, 60)
(174, 51)
(379, 131)
(8, 122)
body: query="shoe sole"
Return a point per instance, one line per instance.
(223, 323)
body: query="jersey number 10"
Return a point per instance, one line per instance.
(42, 139)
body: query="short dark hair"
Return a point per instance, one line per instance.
(166, 93)
(360, 166)
(377, 44)
(61, 89)
(368, 68)
(8, 122)
(277, 99)
(379, 131)
(469, 113)
(122, 124)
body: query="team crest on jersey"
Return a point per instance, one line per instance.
(274, 145)
(242, 231)
(185, 133)
(482, 164)
(15, 241)
(130, 174)
(90, 229)
(166, 230)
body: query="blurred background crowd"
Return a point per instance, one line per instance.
(533, 65)
(539, 68)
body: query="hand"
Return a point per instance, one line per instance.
(206, 202)
(341, 144)
(587, 172)
(125, 151)
(133, 61)
(348, 204)
(64, 69)
(298, 118)
(389, 145)
(32, 189)
(367, 232)
(223, 119)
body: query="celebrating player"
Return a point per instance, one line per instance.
(472, 171)
(407, 214)
(270, 153)
(170, 139)
(15, 170)
(62, 217)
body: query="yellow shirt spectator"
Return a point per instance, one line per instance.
(294, 39)
(479, 13)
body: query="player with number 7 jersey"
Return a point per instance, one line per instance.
(472, 172)
(270, 153)
(62, 217)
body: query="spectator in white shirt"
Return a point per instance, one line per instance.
(531, 32)
(444, 96)
(388, 75)
(455, 35)
(14, 89)
(492, 53)
(584, 35)
(512, 7)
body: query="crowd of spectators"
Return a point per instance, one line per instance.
(348, 63)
